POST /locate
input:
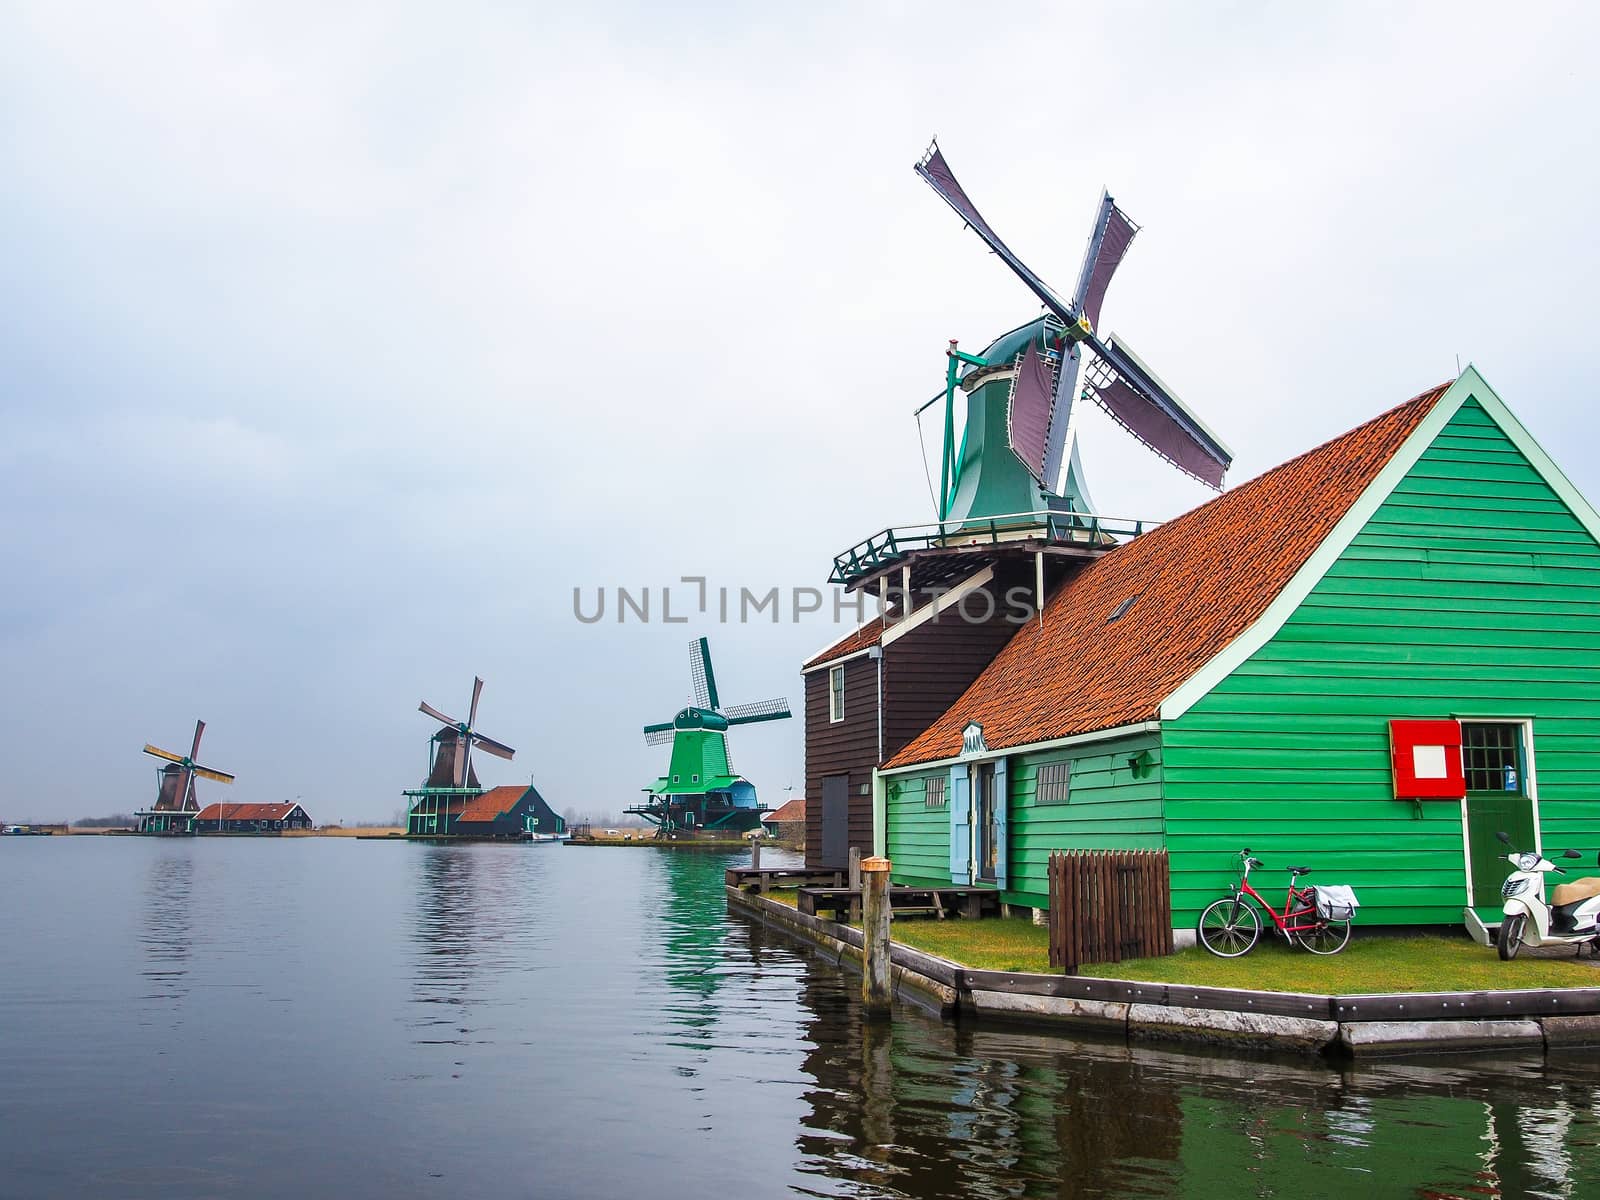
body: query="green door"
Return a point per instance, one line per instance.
(1495, 766)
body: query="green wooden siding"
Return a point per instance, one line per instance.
(918, 836)
(1109, 808)
(1473, 591)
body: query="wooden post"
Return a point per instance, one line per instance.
(755, 854)
(877, 989)
(855, 868)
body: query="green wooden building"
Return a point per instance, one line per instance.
(1233, 678)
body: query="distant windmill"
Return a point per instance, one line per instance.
(1040, 423)
(176, 798)
(700, 788)
(450, 773)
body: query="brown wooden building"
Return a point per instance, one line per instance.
(870, 693)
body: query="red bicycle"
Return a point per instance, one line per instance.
(1231, 926)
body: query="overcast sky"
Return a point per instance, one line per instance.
(340, 343)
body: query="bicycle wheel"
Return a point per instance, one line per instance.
(1229, 927)
(1329, 937)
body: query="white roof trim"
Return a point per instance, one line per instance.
(1077, 739)
(1471, 385)
(834, 662)
(943, 603)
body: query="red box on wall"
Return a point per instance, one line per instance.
(1427, 760)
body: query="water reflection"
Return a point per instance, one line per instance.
(167, 933)
(925, 1109)
(691, 927)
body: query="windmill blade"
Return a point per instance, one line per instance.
(1058, 442)
(1028, 414)
(472, 713)
(936, 172)
(761, 710)
(705, 682)
(490, 746)
(1108, 242)
(1138, 401)
(183, 794)
(208, 773)
(157, 752)
(437, 715)
(199, 728)
(463, 760)
(658, 735)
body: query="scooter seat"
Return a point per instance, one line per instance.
(1578, 889)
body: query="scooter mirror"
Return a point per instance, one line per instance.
(1504, 837)
(1570, 854)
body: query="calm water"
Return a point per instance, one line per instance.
(329, 1017)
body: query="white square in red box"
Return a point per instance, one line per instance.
(1427, 760)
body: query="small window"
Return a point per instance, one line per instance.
(1054, 784)
(933, 797)
(694, 779)
(674, 779)
(1121, 610)
(1491, 757)
(836, 693)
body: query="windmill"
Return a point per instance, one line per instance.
(175, 799)
(451, 779)
(700, 789)
(1038, 421)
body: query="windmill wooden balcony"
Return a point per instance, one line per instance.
(942, 551)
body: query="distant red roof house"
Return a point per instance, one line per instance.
(793, 811)
(250, 818)
(1124, 633)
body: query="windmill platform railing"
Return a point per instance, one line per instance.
(1086, 533)
(433, 810)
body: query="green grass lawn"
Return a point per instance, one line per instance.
(1367, 964)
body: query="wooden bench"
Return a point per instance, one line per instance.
(903, 901)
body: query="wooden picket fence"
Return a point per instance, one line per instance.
(1108, 905)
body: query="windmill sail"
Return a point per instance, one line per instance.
(658, 735)
(1028, 420)
(761, 710)
(941, 179)
(1113, 233)
(1130, 392)
(1108, 243)
(705, 682)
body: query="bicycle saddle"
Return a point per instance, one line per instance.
(1299, 870)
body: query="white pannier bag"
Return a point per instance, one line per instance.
(1336, 902)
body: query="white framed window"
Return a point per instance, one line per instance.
(1054, 785)
(934, 795)
(836, 693)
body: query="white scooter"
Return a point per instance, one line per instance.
(1571, 918)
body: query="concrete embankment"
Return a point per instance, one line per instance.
(1534, 1021)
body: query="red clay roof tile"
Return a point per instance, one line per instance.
(492, 803)
(794, 810)
(1195, 583)
(245, 812)
(851, 643)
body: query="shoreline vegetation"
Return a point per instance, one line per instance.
(1377, 963)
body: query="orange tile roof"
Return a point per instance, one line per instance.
(492, 803)
(245, 812)
(794, 810)
(851, 643)
(1197, 583)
